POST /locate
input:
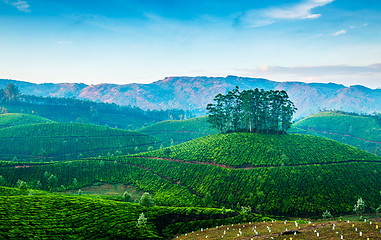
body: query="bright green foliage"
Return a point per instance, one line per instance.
(146, 200)
(60, 141)
(327, 214)
(179, 131)
(127, 197)
(16, 119)
(22, 185)
(142, 220)
(363, 132)
(359, 207)
(56, 216)
(245, 149)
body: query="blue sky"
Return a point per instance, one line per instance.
(125, 41)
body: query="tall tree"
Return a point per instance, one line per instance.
(11, 93)
(216, 113)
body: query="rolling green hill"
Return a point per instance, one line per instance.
(247, 149)
(299, 182)
(59, 141)
(178, 131)
(363, 132)
(16, 119)
(52, 216)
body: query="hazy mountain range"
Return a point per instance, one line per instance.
(194, 93)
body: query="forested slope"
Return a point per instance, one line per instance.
(59, 141)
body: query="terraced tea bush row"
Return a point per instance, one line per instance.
(77, 174)
(16, 119)
(54, 217)
(60, 141)
(240, 149)
(285, 190)
(365, 127)
(363, 132)
(288, 190)
(178, 131)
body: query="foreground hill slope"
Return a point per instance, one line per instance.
(52, 216)
(194, 93)
(359, 131)
(248, 149)
(16, 119)
(301, 183)
(174, 132)
(59, 141)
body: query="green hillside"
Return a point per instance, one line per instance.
(248, 149)
(363, 132)
(178, 131)
(62, 217)
(304, 184)
(59, 141)
(16, 119)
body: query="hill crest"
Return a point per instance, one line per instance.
(252, 150)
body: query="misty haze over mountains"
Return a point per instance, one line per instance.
(194, 93)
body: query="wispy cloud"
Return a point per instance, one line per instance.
(302, 10)
(340, 32)
(22, 6)
(368, 75)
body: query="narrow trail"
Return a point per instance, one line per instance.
(161, 176)
(248, 166)
(211, 163)
(340, 134)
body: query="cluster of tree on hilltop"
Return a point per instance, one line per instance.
(252, 111)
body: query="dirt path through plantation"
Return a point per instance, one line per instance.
(249, 166)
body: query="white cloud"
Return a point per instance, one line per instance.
(301, 10)
(21, 5)
(340, 32)
(368, 75)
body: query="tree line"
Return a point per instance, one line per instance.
(252, 111)
(11, 95)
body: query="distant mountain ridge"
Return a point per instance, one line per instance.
(194, 93)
